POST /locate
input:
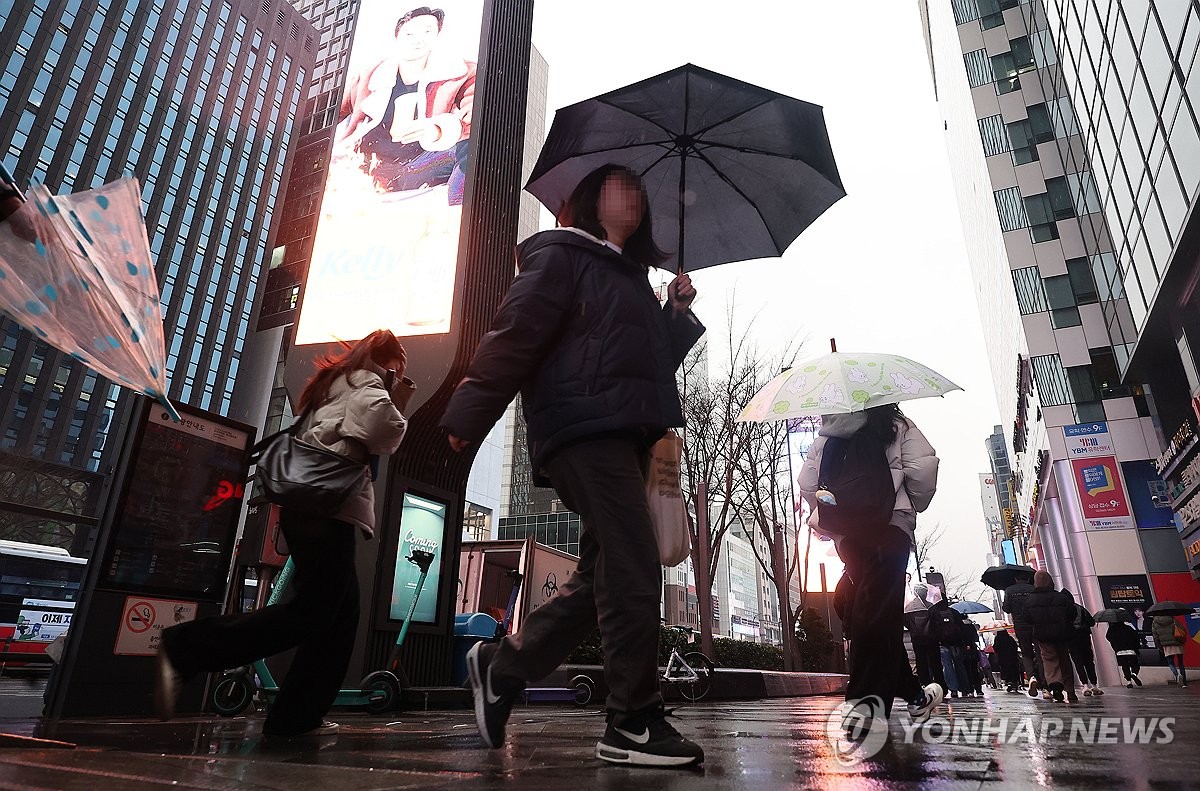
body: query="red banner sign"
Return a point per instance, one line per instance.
(1101, 493)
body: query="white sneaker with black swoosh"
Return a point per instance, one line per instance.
(647, 740)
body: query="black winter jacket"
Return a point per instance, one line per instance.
(581, 335)
(1014, 601)
(1052, 615)
(1122, 637)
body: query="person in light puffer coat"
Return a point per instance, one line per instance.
(877, 559)
(346, 409)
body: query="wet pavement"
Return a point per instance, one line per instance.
(769, 744)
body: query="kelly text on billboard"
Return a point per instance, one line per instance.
(386, 244)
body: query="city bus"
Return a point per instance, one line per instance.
(39, 586)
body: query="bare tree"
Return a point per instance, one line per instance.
(958, 584)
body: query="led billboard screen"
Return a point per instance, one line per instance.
(386, 244)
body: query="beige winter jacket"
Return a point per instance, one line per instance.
(913, 460)
(357, 419)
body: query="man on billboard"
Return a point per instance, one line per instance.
(408, 116)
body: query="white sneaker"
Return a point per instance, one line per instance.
(919, 712)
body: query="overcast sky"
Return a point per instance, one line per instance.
(885, 268)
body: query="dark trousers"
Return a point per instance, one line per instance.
(929, 662)
(1056, 660)
(1084, 658)
(319, 621)
(1031, 659)
(878, 662)
(1130, 666)
(616, 585)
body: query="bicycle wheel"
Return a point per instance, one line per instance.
(703, 667)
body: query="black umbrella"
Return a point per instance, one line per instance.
(1113, 615)
(733, 171)
(1000, 577)
(1171, 608)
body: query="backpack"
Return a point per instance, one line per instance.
(856, 472)
(1083, 619)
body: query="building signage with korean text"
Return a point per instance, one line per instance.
(1101, 493)
(1086, 440)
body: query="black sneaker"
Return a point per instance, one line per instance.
(647, 740)
(493, 704)
(1137, 680)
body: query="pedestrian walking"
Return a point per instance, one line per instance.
(1080, 647)
(876, 555)
(346, 409)
(1014, 605)
(921, 630)
(1125, 643)
(1051, 614)
(949, 625)
(1170, 636)
(1010, 662)
(970, 652)
(583, 338)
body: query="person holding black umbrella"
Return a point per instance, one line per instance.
(1010, 663)
(582, 336)
(1125, 644)
(1080, 646)
(1014, 604)
(1170, 636)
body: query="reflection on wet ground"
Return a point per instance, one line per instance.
(770, 744)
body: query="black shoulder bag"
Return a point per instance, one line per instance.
(298, 475)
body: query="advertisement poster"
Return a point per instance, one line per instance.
(1087, 440)
(1148, 494)
(1132, 591)
(1101, 494)
(386, 244)
(422, 523)
(1181, 587)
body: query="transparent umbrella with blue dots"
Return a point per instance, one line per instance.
(76, 271)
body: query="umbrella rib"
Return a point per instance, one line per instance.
(666, 131)
(733, 117)
(739, 191)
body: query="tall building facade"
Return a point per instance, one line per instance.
(197, 100)
(1086, 431)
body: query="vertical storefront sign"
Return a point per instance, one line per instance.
(386, 245)
(1101, 493)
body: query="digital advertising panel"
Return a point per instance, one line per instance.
(386, 244)
(422, 526)
(1101, 493)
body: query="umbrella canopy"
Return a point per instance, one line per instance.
(839, 383)
(1171, 607)
(970, 607)
(86, 284)
(733, 171)
(1000, 577)
(1113, 615)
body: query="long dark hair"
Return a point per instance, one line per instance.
(882, 421)
(380, 348)
(580, 211)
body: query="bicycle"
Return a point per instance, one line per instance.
(692, 672)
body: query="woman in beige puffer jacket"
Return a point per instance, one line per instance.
(345, 408)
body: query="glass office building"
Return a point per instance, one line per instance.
(197, 100)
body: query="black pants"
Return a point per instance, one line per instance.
(1130, 666)
(616, 585)
(1031, 659)
(929, 662)
(878, 662)
(320, 621)
(1084, 658)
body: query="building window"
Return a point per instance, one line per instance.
(965, 11)
(1027, 133)
(979, 71)
(1008, 65)
(1045, 209)
(995, 138)
(1031, 295)
(1063, 312)
(1010, 209)
(1054, 388)
(991, 12)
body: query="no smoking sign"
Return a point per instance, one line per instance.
(142, 622)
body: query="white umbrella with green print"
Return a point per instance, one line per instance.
(841, 382)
